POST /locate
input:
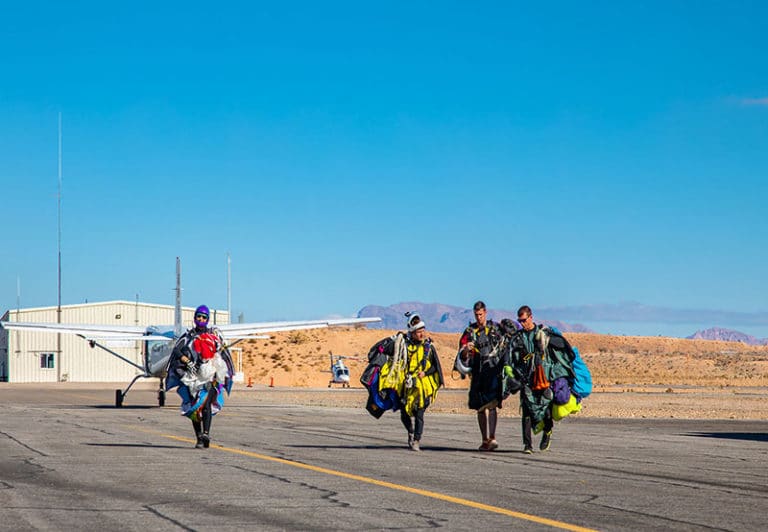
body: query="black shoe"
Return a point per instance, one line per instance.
(199, 444)
(546, 440)
(528, 449)
(410, 440)
(206, 440)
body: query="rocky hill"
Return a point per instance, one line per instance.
(446, 318)
(727, 335)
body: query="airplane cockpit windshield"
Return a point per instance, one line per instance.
(155, 349)
(157, 352)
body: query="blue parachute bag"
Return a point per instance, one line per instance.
(380, 401)
(582, 380)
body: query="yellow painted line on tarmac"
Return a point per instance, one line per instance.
(391, 485)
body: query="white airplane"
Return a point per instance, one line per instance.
(340, 372)
(159, 340)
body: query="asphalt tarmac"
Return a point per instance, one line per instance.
(69, 460)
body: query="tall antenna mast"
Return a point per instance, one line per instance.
(177, 326)
(58, 304)
(229, 287)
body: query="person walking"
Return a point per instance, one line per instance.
(479, 349)
(413, 370)
(537, 355)
(201, 369)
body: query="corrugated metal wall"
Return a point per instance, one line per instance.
(79, 362)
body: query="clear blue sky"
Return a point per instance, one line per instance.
(350, 153)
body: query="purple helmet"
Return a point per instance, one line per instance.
(202, 313)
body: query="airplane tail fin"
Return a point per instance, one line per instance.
(178, 329)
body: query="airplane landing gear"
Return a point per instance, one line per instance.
(120, 395)
(161, 393)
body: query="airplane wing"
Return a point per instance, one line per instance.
(250, 330)
(233, 331)
(123, 332)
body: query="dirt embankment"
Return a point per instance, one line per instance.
(634, 376)
(301, 358)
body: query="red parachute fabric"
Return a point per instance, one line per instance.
(205, 346)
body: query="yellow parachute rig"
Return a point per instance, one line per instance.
(401, 373)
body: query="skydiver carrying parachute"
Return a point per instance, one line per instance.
(201, 369)
(406, 376)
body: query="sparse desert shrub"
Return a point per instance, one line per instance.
(297, 338)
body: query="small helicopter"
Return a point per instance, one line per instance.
(339, 371)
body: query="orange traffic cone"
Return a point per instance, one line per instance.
(250, 382)
(271, 382)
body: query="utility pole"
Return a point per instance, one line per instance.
(136, 323)
(18, 314)
(229, 288)
(58, 305)
(178, 329)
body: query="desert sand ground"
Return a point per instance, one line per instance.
(634, 376)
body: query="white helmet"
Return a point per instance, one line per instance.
(459, 365)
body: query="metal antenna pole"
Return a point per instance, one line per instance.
(18, 316)
(136, 323)
(178, 329)
(229, 288)
(58, 305)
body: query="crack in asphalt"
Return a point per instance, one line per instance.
(332, 497)
(164, 517)
(29, 448)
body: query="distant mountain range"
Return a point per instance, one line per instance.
(727, 335)
(637, 312)
(446, 318)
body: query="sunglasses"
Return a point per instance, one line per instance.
(521, 319)
(201, 317)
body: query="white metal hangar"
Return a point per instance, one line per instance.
(37, 356)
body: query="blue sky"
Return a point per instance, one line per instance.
(351, 153)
